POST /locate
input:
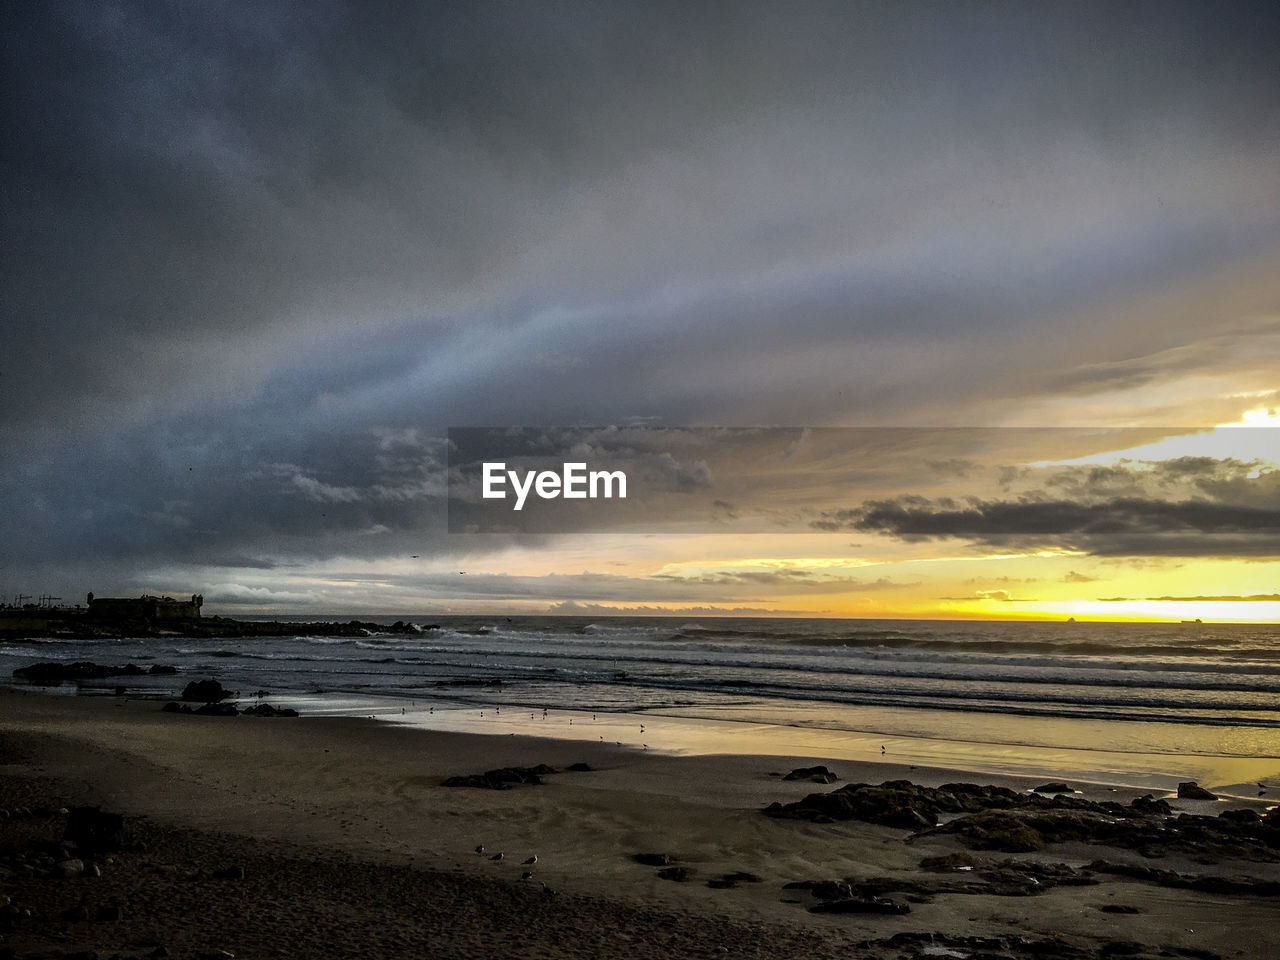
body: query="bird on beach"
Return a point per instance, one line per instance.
(479, 848)
(527, 875)
(531, 861)
(496, 857)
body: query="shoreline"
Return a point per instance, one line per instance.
(680, 733)
(330, 789)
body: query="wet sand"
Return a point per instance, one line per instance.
(350, 845)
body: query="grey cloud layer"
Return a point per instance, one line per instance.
(244, 242)
(1189, 506)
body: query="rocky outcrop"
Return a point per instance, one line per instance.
(1054, 786)
(1241, 835)
(654, 859)
(94, 830)
(1193, 791)
(204, 691)
(954, 874)
(1207, 883)
(818, 774)
(901, 803)
(856, 905)
(267, 710)
(502, 779)
(996, 818)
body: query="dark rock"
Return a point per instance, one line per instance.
(71, 868)
(1007, 878)
(109, 915)
(997, 830)
(654, 859)
(204, 691)
(75, 913)
(217, 710)
(1228, 886)
(229, 873)
(822, 889)
(995, 818)
(987, 948)
(818, 774)
(1149, 806)
(579, 767)
(162, 670)
(1118, 908)
(502, 779)
(94, 830)
(729, 880)
(173, 706)
(950, 862)
(897, 803)
(267, 710)
(678, 874)
(901, 803)
(878, 905)
(1055, 786)
(1193, 791)
(1243, 817)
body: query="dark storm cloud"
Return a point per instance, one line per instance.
(912, 518)
(1115, 527)
(1181, 506)
(189, 174)
(243, 242)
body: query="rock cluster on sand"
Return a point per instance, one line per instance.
(267, 710)
(502, 779)
(818, 774)
(1193, 791)
(204, 691)
(229, 710)
(1236, 837)
(901, 803)
(996, 818)
(1053, 786)
(94, 830)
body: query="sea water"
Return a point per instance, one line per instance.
(1102, 699)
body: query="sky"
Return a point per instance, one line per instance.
(259, 259)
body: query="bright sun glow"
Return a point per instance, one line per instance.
(1223, 442)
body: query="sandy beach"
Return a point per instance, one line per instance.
(336, 837)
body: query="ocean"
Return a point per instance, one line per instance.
(1134, 703)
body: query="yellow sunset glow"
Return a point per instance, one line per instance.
(1224, 441)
